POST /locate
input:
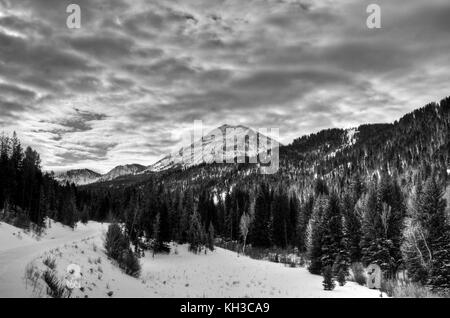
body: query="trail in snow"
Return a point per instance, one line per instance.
(14, 260)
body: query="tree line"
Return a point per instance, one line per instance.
(27, 194)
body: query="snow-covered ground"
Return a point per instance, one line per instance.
(18, 248)
(221, 273)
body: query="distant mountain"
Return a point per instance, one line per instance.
(120, 171)
(219, 143)
(78, 176)
(86, 176)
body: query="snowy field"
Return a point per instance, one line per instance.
(221, 273)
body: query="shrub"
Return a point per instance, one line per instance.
(130, 263)
(55, 288)
(341, 277)
(115, 242)
(406, 289)
(50, 262)
(358, 274)
(328, 280)
(118, 248)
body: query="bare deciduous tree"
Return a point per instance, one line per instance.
(244, 227)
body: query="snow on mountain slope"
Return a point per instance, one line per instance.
(125, 170)
(78, 176)
(218, 146)
(349, 139)
(86, 176)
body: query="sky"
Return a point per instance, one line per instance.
(127, 86)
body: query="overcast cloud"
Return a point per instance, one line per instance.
(124, 87)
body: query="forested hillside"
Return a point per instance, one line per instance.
(29, 195)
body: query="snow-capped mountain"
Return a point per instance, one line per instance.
(78, 176)
(223, 144)
(220, 145)
(125, 170)
(86, 176)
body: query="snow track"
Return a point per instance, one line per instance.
(14, 260)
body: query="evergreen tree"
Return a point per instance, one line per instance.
(383, 226)
(211, 237)
(261, 226)
(195, 235)
(315, 235)
(280, 218)
(328, 280)
(434, 220)
(352, 224)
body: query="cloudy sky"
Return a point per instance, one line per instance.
(125, 86)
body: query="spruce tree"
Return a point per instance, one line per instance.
(196, 234)
(315, 235)
(328, 280)
(260, 231)
(211, 237)
(434, 220)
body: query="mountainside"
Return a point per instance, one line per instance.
(120, 171)
(78, 176)
(218, 146)
(417, 140)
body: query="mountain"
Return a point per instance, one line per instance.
(119, 171)
(78, 176)
(219, 143)
(86, 176)
(418, 141)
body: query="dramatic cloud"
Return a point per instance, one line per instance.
(128, 84)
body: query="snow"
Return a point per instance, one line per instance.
(351, 137)
(210, 148)
(221, 273)
(224, 274)
(16, 253)
(78, 177)
(125, 170)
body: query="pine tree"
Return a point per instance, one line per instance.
(211, 237)
(383, 226)
(328, 280)
(352, 223)
(334, 244)
(261, 225)
(280, 218)
(341, 277)
(434, 220)
(415, 248)
(315, 235)
(305, 212)
(195, 235)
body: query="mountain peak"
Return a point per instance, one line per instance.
(209, 147)
(78, 176)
